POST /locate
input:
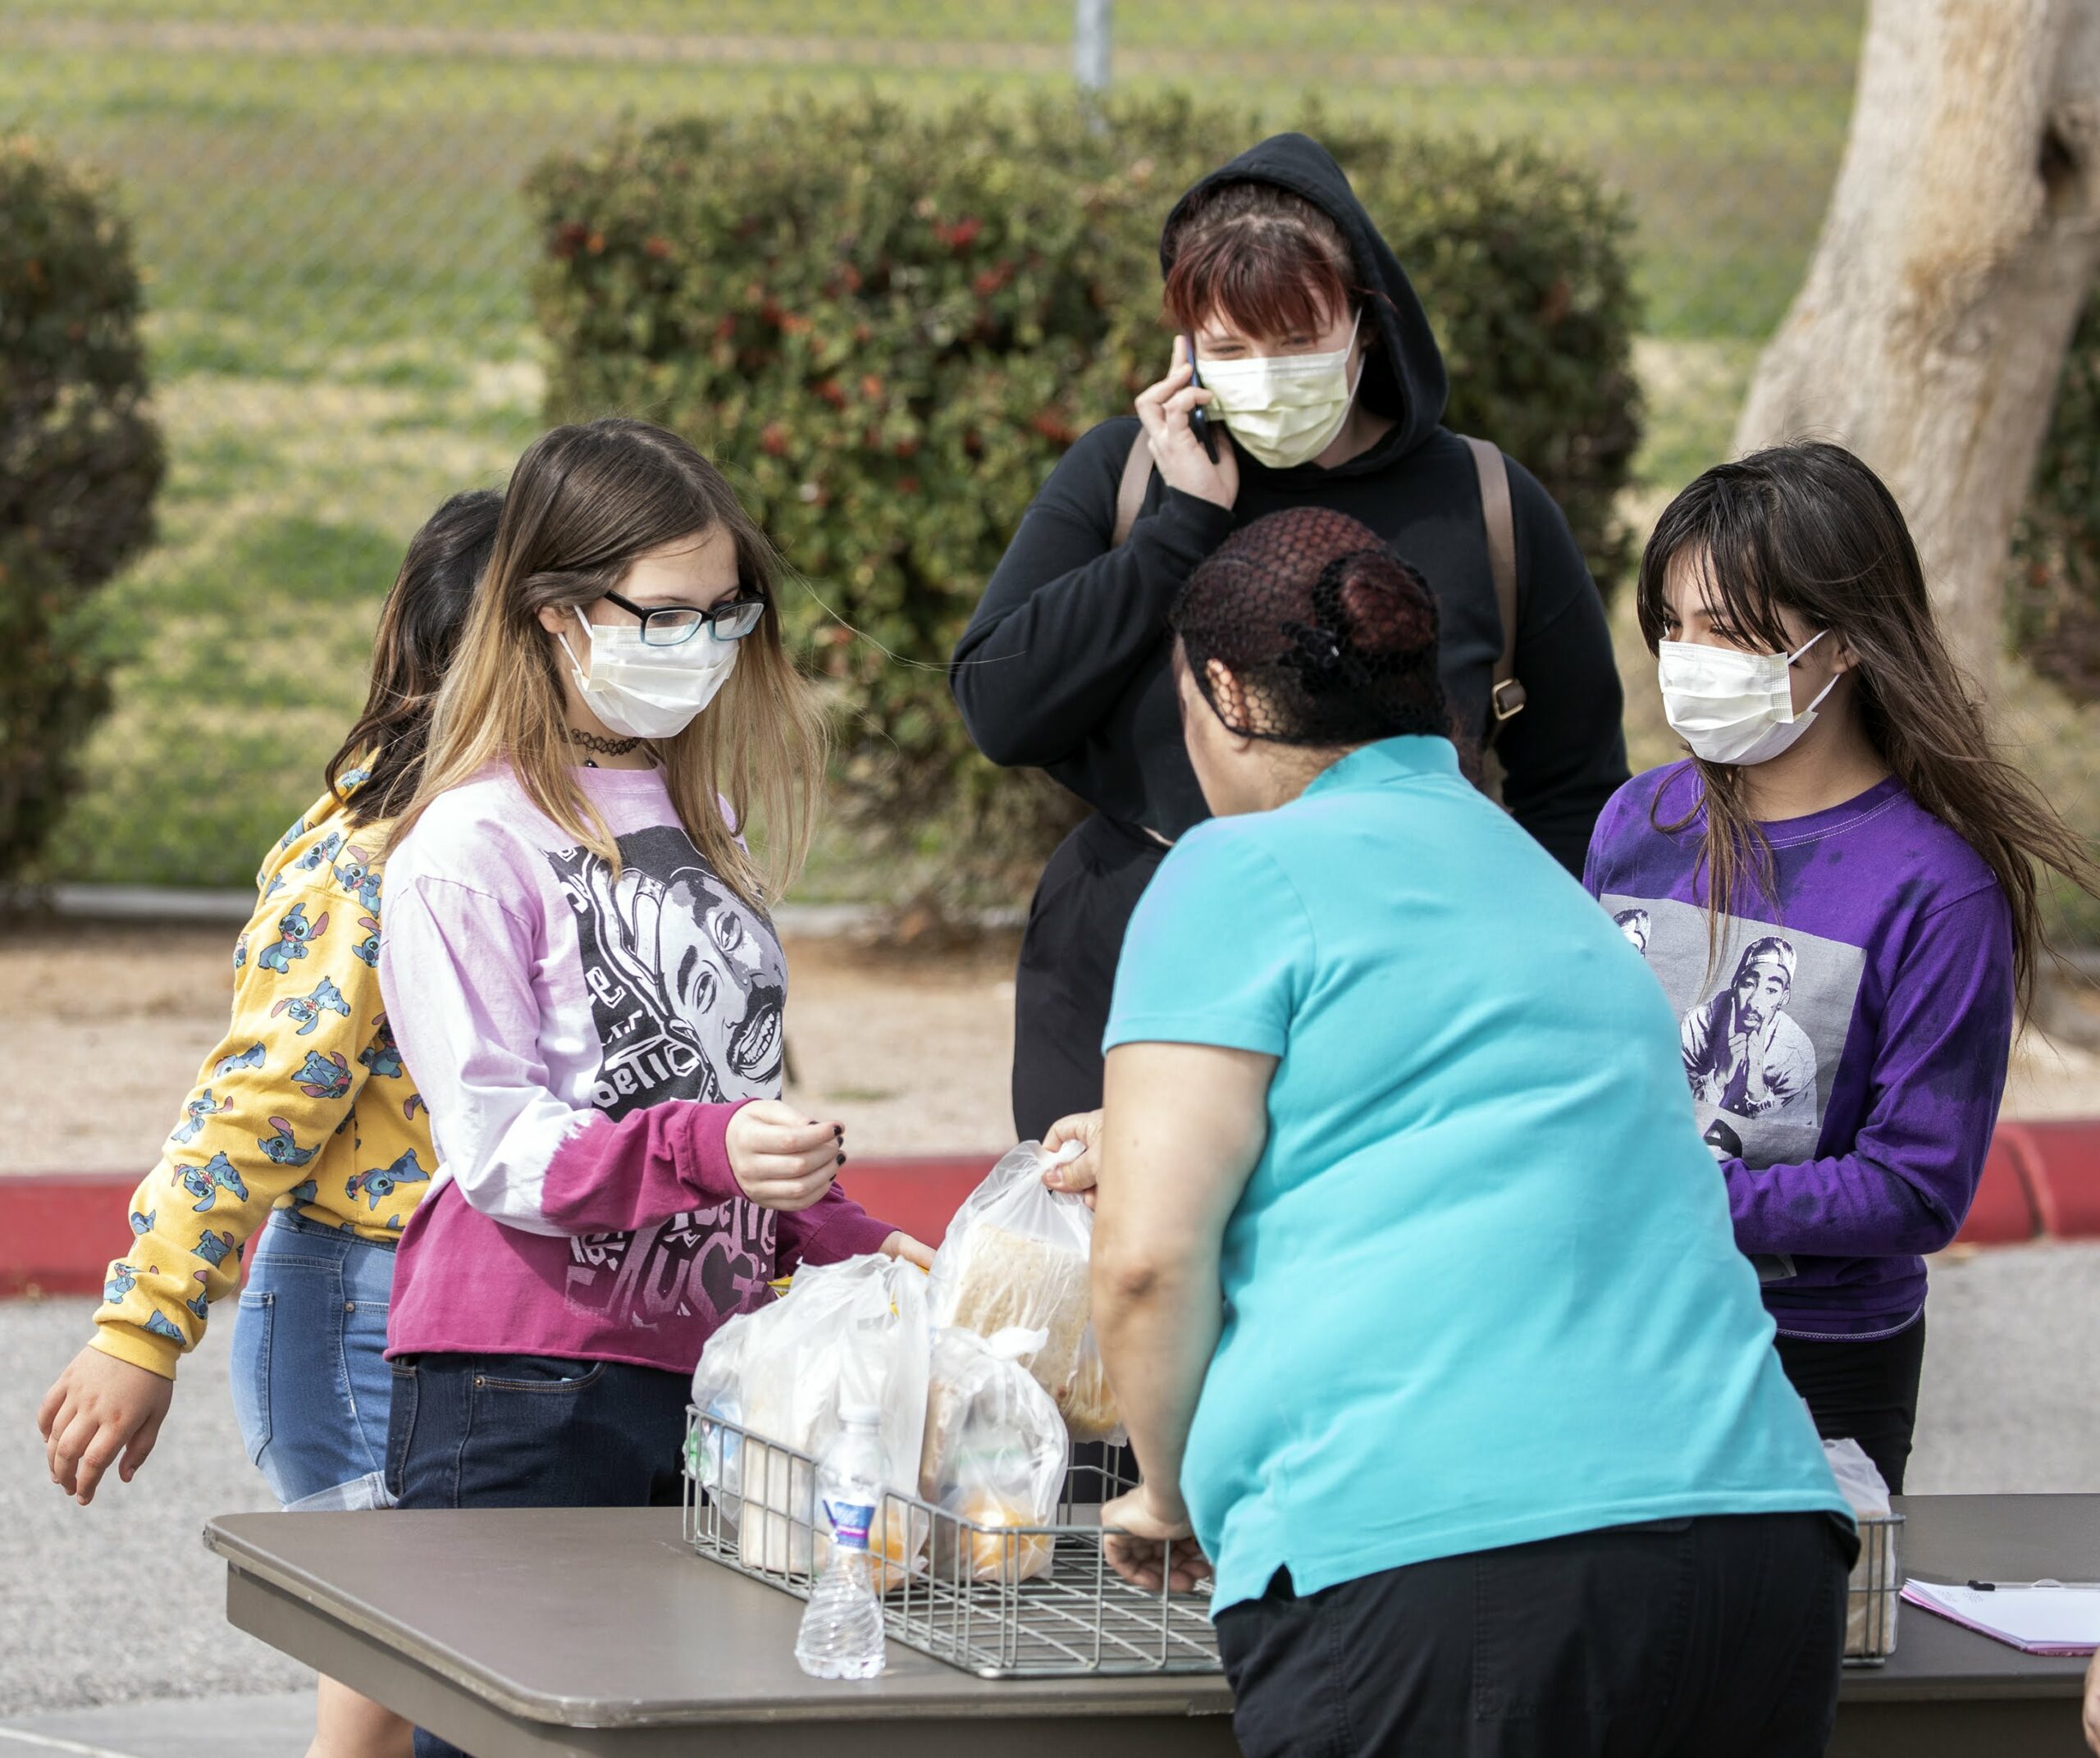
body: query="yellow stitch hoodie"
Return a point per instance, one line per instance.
(304, 1104)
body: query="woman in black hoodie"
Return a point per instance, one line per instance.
(1327, 372)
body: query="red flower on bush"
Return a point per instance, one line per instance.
(658, 248)
(833, 392)
(960, 235)
(568, 238)
(871, 385)
(989, 280)
(1053, 427)
(907, 485)
(773, 440)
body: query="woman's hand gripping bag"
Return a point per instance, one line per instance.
(846, 1333)
(1015, 1257)
(994, 1456)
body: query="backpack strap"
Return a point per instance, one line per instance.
(1131, 493)
(1506, 699)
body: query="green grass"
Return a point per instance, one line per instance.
(337, 252)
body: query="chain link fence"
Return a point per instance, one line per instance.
(326, 201)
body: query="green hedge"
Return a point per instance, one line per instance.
(887, 326)
(80, 463)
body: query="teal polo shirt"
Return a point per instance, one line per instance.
(1482, 1288)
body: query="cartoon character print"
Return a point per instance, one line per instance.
(199, 1303)
(358, 876)
(299, 829)
(380, 1182)
(411, 1105)
(1637, 925)
(194, 1114)
(216, 1248)
(205, 1182)
(382, 1056)
(351, 780)
(687, 986)
(308, 1009)
(251, 1057)
(324, 1077)
(122, 1280)
(306, 1191)
(270, 890)
(324, 850)
(280, 1147)
(368, 948)
(1743, 1054)
(143, 1224)
(295, 934)
(161, 1326)
(240, 951)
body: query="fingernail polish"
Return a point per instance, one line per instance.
(841, 1159)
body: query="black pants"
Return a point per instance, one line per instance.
(532, 1431)
(1083, 904)
(1867, 1391)
(1711, 1638)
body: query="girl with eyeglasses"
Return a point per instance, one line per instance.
(586, 981)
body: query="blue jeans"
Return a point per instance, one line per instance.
(532, 1432)
(310, 1381)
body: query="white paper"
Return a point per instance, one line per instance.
(2039, 1620)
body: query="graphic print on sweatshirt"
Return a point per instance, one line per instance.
(1761, 1024)
(688, 990)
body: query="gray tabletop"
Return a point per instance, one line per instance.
(597, 1631)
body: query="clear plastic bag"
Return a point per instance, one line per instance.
(1015, 1257)
(846, 1333)
(1871, 1597)
(995, 1455)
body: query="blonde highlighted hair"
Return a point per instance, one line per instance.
(584, 503)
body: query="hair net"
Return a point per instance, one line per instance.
(1331, 636)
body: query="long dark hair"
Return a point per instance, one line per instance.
(418, 631)
(1810, 527)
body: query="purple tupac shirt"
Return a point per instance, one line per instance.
(1845, 1043)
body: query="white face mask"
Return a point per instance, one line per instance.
(648, 692)
(1285, 409)
(1732, 706)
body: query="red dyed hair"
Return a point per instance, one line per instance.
(1268, 261)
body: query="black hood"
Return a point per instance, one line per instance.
(1403, 379)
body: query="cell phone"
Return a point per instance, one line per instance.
(1198, 423)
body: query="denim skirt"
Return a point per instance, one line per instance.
(311, 1384)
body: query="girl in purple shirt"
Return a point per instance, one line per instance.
(1838, 890)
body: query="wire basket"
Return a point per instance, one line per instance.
(1000, 1601)
(1874, 1592)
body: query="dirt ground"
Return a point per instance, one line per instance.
(103, 1028)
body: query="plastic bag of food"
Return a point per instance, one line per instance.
(1015, 1257)
(846, 1333)
(994, 1456)
(1871, 1597)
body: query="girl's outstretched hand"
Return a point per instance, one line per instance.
(911, 1251)
(98, 1408)
(1155, 1546)
(781, 1159)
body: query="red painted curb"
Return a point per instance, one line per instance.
(59, 1230)
(2004, 1212)
(2064, 1171)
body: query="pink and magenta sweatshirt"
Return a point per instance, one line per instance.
(582, 1042)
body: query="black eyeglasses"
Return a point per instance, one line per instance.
(673, 625)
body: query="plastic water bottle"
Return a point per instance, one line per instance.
(842, 1634)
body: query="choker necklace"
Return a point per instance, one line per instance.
(606, 747)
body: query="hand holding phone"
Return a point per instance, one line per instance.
(1198, 422)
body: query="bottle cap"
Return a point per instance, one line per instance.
(861, 1415)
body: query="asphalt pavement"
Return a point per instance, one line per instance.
(109, 1612)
